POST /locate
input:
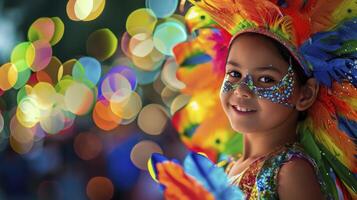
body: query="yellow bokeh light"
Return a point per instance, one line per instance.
(83, 8)
(102, 44)
(8, 74)
(59, 30)
(23, 56)
(43, 93)
(28, 112)
(141, 21)
(128, 108)
(79, 98)
(98, 7)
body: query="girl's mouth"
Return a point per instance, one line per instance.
(242, 110)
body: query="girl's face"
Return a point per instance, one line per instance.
(255, 59)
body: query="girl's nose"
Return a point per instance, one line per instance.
(243, 90)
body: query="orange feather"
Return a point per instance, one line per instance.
(321, 15)
(324, 113)
(179, 185)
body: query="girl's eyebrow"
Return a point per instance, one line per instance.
(231, 62)
(268, 68)
(264, 68)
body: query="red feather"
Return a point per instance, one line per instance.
(299, 11)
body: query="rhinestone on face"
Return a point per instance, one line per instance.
(278, 93)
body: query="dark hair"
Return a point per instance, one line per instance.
(284, 52)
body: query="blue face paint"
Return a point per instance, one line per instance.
(278, 93)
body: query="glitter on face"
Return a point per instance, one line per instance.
(278, 93)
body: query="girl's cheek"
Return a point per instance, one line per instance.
(223, 98)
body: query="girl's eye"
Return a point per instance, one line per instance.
(234, 74)
(266, 79)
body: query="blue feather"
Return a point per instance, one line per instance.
(348, 30)
(282, 3)
(323, 77)
(211, 177)
(197, 59)
(320, 51)
(311, 49)
(189, 131)
(348, 126)
(157, 158)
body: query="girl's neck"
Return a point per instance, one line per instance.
(256, 145)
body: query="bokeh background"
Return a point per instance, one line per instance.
(89, 89)
(52, 152)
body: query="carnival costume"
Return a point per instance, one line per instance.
(321, 35)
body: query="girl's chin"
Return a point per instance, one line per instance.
(244, 128)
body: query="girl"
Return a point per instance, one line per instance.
(290, 89)
(268, 126)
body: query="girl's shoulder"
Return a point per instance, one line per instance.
(287, 153)
(274, 160)
(267, 178)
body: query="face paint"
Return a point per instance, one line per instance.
(278, 93)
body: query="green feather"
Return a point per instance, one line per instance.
(342, 172)
(310, 146)
(348, 47)
(234, 145)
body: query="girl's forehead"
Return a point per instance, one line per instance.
(257, 68)
(253, 44)
(255, 51)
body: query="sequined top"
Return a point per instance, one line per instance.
(260, 179)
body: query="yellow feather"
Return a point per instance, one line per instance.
(238, 15)
(352, 102)
(347, 10)
(324, 138)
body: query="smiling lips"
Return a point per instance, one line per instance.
(242, 109)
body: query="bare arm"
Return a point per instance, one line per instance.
(297, 180)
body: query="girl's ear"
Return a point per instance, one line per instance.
(308, 94)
